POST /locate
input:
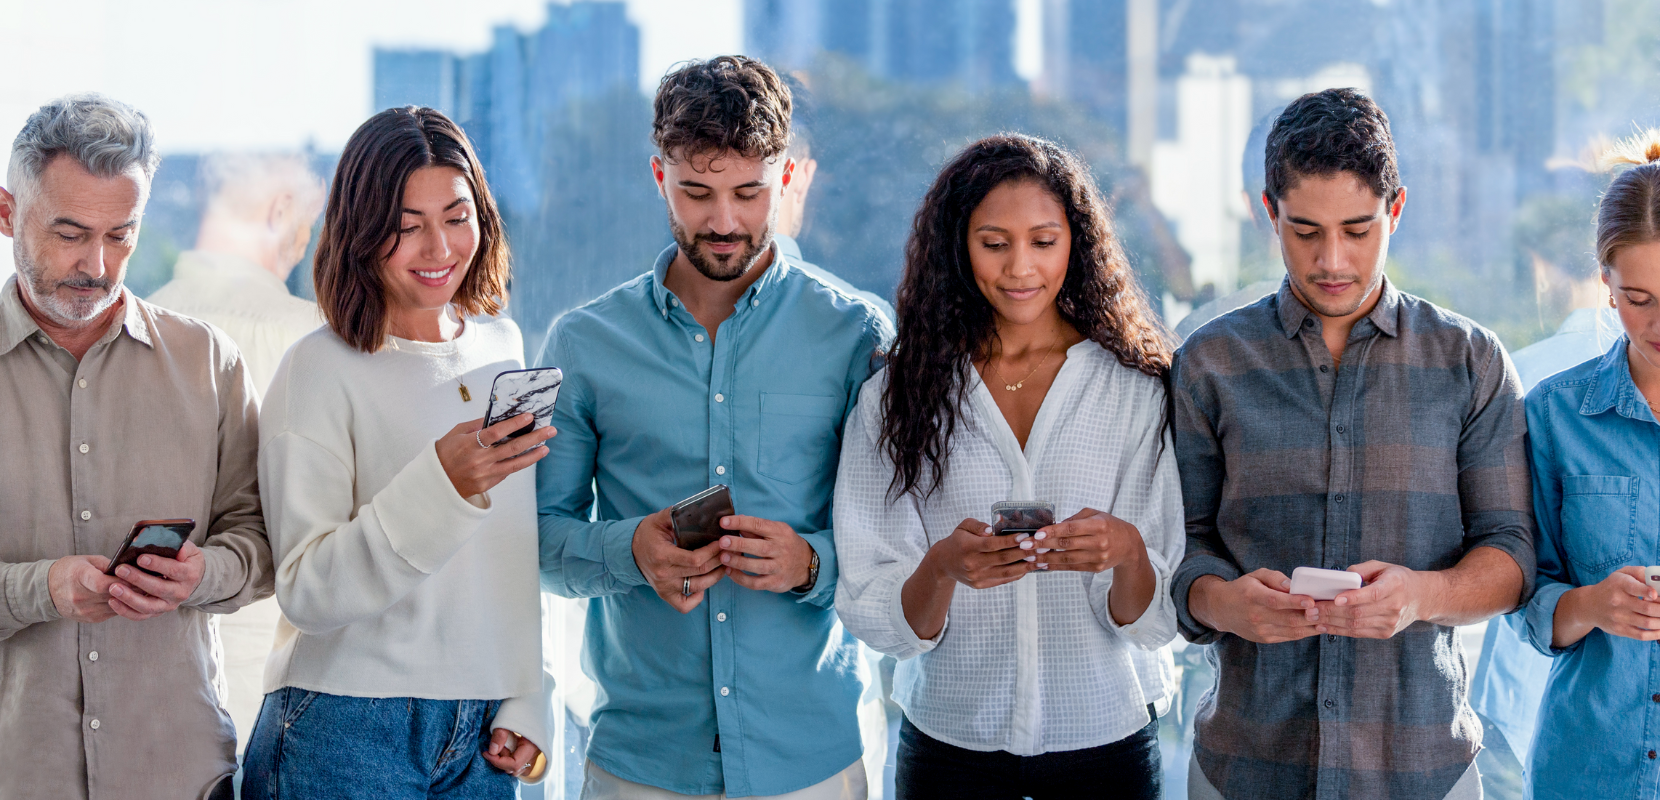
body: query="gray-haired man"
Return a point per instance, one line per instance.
(112, 411)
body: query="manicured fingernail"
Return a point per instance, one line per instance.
(1031, 558)
(988, 530)
(1041, 535)
(1043, 549)
(1026, 545)
(1043, 566)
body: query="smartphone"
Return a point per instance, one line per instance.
(1022, 516)
(697, 518)
(152, 537)
(1323, 584)
(524, 390)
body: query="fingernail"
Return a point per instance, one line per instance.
(1041, 535)
(145, 560)
(1043, 566)
(1025, 545)
(725, 558)
(1031, 558)
(1342, 601)
(988, 530)
(1043, 549)
(495, 749)
(725, 542)
(115, 590)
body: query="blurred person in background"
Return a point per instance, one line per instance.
(1047, 677)
(408, 661)
(792, 206)
(254, 229)
(1596, 492)
(112, 411)
(722, 670)
(1342, 424)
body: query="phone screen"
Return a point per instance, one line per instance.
(1015, 517)
(697, 518)
(154, 537)
(521, 391)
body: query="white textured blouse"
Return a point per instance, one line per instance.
(1037, 665)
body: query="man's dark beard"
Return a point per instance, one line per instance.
(734, 266)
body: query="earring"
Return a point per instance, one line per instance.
(1611, 302)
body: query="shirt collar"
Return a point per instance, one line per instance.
(661, 296)
(1611, 386)
(1385, 316)
(16, 324)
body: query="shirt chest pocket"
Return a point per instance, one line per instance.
(798, 435)
(1599, 522)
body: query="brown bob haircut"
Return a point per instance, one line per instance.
(365, 211)
(728, 104)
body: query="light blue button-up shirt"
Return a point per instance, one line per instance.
(752, 692)
(1596, 494)
(1510, 675)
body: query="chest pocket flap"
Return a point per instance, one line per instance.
(798, 435)
(1599, 522)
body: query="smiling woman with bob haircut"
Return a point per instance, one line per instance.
(408, 661)
(1028, 368)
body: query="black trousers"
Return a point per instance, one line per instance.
(1129, 768)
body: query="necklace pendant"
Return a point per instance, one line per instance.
(466, 396)
(1014, 387)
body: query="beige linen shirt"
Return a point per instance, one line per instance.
(158, 420)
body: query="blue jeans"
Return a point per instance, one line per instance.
(316, 746)
(930, 769)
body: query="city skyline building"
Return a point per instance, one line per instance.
(964, 43)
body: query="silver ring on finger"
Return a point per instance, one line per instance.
(686, 587)
(478, 437)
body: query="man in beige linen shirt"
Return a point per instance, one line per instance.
(112, 411)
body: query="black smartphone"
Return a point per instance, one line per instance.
(152, 537)
(524, 390)
(697, 518)
(1022, 517)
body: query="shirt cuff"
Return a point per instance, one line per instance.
(1194, 567)
(28, 594)
(217, 563)
(526, 717)
(823, 592)
(619, 551)
(902, 627)
(1541, 618)
(1153, 629)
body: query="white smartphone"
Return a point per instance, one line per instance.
(1323, 584)
(524, 390)
(1651, 576)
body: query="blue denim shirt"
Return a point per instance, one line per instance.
(752, 692)
(1596, 493)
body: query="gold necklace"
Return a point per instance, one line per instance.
(992, 362)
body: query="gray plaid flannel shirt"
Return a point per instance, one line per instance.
(1413, 452)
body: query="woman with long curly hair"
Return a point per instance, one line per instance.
(1028, 369)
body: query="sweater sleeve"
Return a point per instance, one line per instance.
(335, 567)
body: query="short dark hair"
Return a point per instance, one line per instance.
(1324, 133)
(365, 211)
(726, 104)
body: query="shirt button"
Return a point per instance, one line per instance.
(1340, 429)
(720, 398)
(1331, 637)
(721, 617)
(725, 691)
(698, 337)
(673, 302)
(84, 448)
(81, 383)
(1656, 698)
(755, 302)
(1329, 704)
(1308, 322)
(720, 470)
(95, 725)
(1651, 753)
(1340, 498)
(1324, 368)
(92, 656)
(86, 515)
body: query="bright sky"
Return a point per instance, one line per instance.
(215, 74)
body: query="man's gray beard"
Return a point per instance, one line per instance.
(43, 296)
(733, 269)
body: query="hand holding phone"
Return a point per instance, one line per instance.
(524, 391)
(1323, 584)
(697, 518)
(152, 537)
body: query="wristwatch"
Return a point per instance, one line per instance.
(812, 576)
